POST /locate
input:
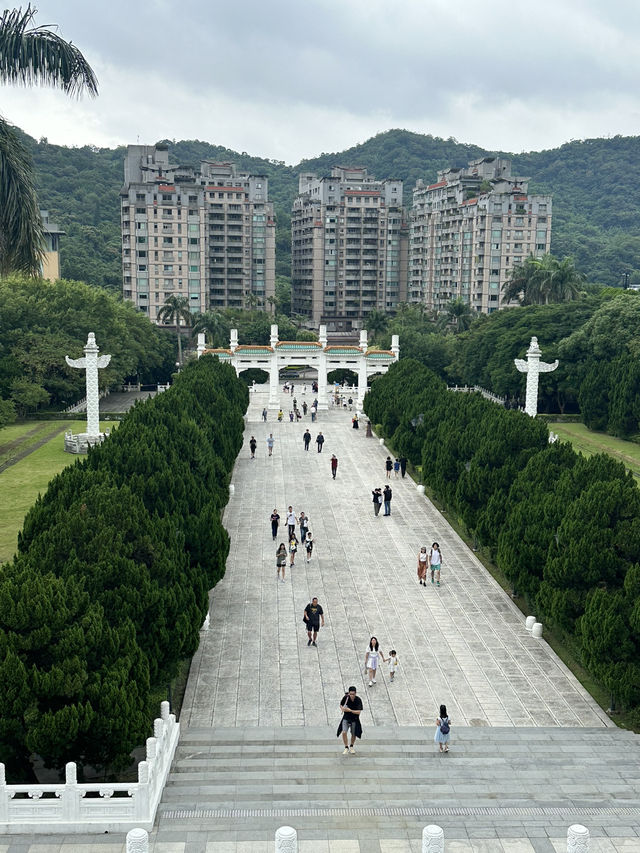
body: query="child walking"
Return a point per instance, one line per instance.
(392, 661)
(443, 729)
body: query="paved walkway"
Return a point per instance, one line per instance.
(464, 644)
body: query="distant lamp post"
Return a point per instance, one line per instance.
(625, 280)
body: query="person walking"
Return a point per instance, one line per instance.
(291, 521)
(355, 423)
(314, 410)
(371, 660)
(377, 501)
(303, 521)
(280, 415)
(334, 466)
(281, 560)
(293, 548)
(304, 408)
(403, 466)
(307, 439)
(386, 496)
(423, 559)
(252, 447)
(275, 523)
(308, 544)
(388, 467)
(351, 707)
(443, 730)
(396, 467)
(313, 617)
(270, 442)
(264, 415)
(320, 441)
(435, 561)
(392, 660)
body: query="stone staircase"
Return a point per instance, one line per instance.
(514, 782)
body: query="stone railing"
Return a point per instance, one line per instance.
(81, 405)
(488, 395)
(71, 807)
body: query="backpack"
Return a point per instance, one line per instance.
(444, 726)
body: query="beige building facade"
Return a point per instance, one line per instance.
(51, 259)
(208, 235)
(468, 231)
(349, 248)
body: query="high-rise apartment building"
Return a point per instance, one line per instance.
(468, 231)
(349, 248)
(208, 235)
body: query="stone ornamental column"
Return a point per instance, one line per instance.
(323, 405)
(137, 841)
(395, 346)
(533, 367)
(432, 839)
(286, 840)
(273, 370)
(362, 368)
(577, 839)
(233, 346)
(91, 363)
(201, 344)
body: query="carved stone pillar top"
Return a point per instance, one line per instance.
(137, 841)
(286, 840)
(432, 839)
(577, 839)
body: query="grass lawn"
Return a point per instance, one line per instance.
(21, 483)
(588, 442)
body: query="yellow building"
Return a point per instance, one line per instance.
(51, 262)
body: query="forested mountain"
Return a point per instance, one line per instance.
(596, 216)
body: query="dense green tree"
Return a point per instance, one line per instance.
(215, 326)
(30, 56)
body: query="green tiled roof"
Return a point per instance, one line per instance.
(298, 346)
(343, 351)
(385, 356)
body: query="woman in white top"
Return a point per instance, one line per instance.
(371, 659)
(422, 565)
(435, 559)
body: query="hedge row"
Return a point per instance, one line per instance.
(110, 584)
(564, 529)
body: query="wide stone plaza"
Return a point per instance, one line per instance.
(531, 752)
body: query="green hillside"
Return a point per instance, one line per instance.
(596, 218)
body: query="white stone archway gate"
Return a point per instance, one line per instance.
(317, 355)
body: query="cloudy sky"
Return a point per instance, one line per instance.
(288, 79)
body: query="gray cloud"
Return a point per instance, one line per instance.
(267, 64)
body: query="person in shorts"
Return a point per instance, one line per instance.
(313, 616)
(351, 707)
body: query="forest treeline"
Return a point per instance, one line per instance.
(595, 217)
(109, 587)
(565, 530)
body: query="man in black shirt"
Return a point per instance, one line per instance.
(313, 613)
(351, 707)
(306, 437)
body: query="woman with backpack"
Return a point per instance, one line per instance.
(443, 730)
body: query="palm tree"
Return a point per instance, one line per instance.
(30, 56)
(457, 314)
(539, 281)
(215, 325)
(376, 323)
(175, 309)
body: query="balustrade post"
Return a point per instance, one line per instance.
(432, 839)
(142, 794)
(4, 796)
(137, 841)
(577, 839)
(70, 797)
(286, 840)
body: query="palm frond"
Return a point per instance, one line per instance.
(21, 233)
(38, 56)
